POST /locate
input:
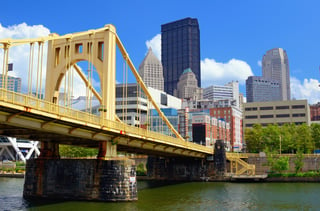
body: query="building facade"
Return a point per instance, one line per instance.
(233, 116)
(199, 127)
(230, 91)
(13, 83)
(180, 49)
(157, 124)
(151, 71)
(260, 89)
(206, 103)
(275, 67)
(187, 87)
(315, 112)
(276, 112)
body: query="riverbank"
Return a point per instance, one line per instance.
(244, 179)
(12, 175)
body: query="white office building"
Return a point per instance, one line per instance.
(219, 92)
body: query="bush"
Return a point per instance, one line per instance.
(299, 174)
(141, 171)
(278, 164)
(298, 162)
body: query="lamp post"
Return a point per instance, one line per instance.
(280, 144)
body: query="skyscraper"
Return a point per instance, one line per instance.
(151, 71)
(275, 66)
(260, 89)
(187, 87)
(180, 49)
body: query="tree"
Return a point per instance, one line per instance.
(254, 139)
(271, 135)
(277, 163)
(287, 133)
(75, 151)
(281, 164)
(298, 162)
(304, 139)
(315, 133)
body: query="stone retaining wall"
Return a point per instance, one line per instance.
(311, 163)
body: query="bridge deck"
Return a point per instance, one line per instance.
(29, 117)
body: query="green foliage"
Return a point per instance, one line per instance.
(299, 174)
(20, 163)
(315, 131)
(141, 171)
(288, 138)
(298, 162)
(277, 163)
(75, 151)
(254, 139)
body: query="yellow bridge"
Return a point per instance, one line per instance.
(28, 116)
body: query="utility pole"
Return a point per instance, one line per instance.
(280, 144)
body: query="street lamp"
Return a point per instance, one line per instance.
(280, 143)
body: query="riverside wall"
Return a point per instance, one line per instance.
(311, 162)
(96, 180)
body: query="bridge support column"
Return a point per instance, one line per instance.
(97, 180)
(220, 160)
(107, 150)
(49, 150)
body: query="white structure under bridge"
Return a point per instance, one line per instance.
(18, 149)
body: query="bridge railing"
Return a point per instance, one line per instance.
(31, 102)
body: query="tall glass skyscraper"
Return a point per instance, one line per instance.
(180, 49)
(275, 66)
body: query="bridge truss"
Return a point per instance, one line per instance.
(28, 115)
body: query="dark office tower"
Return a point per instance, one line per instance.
(180, 49)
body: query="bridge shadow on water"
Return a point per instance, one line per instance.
(148, 184)
(47, 204)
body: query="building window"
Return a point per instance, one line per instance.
(251, 109)
(299, 115)
(164, 100)
(249, 125)
(266, 108)
(251, 117)
(266, 116)
(297, 106)
(282, 115)
(282, 107)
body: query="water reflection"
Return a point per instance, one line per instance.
(183, 196)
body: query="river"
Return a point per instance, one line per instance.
(184, 196)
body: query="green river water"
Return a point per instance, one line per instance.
(184, 196)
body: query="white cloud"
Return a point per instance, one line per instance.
(19, 55)
(259, 63)
(213, 72)
(309, 89)
(155, 44)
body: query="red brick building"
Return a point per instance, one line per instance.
(315, 112)
(234, 116)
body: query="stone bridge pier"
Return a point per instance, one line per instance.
(177, 168)
(108, 179)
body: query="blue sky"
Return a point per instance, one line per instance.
(234, 34)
